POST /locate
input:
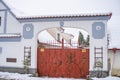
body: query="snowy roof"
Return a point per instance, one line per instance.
(55, 14)
(10, 35)
(66, 15)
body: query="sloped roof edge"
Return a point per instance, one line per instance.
(8, 8)
(66, 16)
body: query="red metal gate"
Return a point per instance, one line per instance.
(57, 62)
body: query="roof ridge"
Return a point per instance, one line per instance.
(64, 16)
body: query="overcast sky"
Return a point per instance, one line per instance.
(65, 6)
(53, 7)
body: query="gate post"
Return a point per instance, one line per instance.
(62, 43)
(98, 50)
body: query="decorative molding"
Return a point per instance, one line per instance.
(98, 30)
(28, 31)
(64, 19)
(10, 37)
(3, 10)
(61, 23)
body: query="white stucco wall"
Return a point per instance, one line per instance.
(13, 25)
(10, 49)
(85, 25)
(16, 49)
(2, 6)
(39, 26)
(99, 43)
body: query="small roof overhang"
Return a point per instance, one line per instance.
(66, 17)
(10, 35)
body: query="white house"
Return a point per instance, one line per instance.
(18, 39)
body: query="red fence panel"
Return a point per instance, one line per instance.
(57, 62)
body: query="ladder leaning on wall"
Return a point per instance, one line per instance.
(98, 61)
(27, 58)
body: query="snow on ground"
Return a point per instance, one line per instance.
(17, 76)
(107, 78)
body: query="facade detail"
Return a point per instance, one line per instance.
(28, 31)
(18, 37)
(61, 23)
(98, 30)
